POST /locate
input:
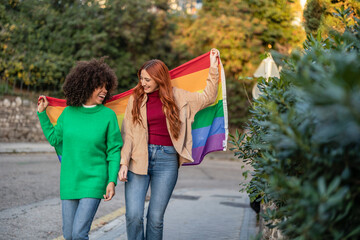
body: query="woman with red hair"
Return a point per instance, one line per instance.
(157, 140)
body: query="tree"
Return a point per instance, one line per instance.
(312, 15)
(320, 15)
(241, 30)
(136, 32)
(42, 40)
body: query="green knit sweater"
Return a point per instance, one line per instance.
(91, 142)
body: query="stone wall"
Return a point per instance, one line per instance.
(19, 121)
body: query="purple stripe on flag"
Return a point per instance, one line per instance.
(213, 143)
(200, 135)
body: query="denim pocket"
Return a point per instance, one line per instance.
(169, 150)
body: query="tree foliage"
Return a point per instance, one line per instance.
(242, 30)
(303, 139)
(312, 15)
(41, 40)
(319, 15)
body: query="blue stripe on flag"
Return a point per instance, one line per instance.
(200, 135)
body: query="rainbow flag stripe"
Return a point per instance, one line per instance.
(210, 127)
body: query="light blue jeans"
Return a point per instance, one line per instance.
(162, 177)
(78, 215)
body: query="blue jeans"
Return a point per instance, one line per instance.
(78, 215)
(162, 177)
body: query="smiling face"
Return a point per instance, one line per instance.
(97, 97)
(147, 82)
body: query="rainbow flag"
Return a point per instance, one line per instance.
(210, 127)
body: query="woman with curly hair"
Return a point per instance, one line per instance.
(157, 140)
(91, 140)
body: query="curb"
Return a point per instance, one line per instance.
(26, 148)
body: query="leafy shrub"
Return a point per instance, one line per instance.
(41, 40)
(303, 140)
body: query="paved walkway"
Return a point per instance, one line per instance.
(215, 212)
(195, 215)
(25, 147)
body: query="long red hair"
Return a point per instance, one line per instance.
(159, 72)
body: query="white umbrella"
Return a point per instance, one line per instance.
(266, 69)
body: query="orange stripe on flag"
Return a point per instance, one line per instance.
(191, 81)
(54, 113)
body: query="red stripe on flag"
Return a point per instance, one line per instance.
(55, 102)
(120, 95)
(197, 64)
(200, 63)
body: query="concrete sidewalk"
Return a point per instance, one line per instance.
(206, 203)
(26, 147)
(196, 215)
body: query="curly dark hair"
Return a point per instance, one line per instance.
(85, 77)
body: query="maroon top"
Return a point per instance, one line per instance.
(158, 132)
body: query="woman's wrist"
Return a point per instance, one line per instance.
(213, 70)
(124, 165)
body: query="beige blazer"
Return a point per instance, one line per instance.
(134, 152)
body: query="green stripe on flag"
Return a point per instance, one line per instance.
(206, 116)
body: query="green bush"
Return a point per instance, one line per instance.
(303, 140)
(41, 40)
